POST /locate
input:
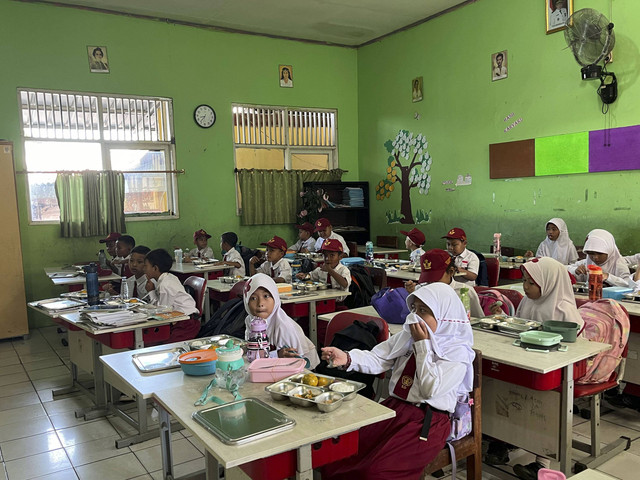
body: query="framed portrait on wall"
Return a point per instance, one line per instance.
(499, 66)
(557, 13)
(416, 89)
(285, 73)
(98, 62)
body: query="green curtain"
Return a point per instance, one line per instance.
(91, 203)
(273, 196)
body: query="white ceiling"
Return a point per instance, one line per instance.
(342, 22)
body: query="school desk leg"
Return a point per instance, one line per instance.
(305, 468)
(211, 467)
(313, 323)
(566, 420)
(165, 442)
(100, 391)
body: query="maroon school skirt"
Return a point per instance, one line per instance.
(392, 449)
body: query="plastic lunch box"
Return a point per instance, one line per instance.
(544, 339)
(568, 330)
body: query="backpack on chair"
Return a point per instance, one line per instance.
(605, 321)
(490, 296)
(361, 288)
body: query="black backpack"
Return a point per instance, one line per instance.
(362, 336)
(247, 253)
(483, 272)
(228, 319)
(361, 288)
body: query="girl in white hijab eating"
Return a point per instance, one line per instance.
(287, 339)
(432, 365)
(557, 244)
(601, 250)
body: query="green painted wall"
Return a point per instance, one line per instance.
(45, 47)
(463, 112)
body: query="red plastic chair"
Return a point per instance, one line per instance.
(197, 287)
(513, 295)
(237, 290)
(344, 319)
(493, 271)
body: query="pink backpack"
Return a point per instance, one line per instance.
(605, 321)
(490, 296)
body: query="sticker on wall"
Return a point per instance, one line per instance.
(447, 182)
(513, 125)
(422, 216)
(408, 166)
(463, 180)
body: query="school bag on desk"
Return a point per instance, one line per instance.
(228, 319)
(361, 288)
(391, 304)
(605, 321)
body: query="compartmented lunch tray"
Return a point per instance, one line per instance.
(158, 360)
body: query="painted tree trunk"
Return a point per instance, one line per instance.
(405, 203)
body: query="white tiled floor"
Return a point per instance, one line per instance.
(41, 438)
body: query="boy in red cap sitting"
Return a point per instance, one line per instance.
(110, 243)
(325, 231)
(276, 265)
(414, 241)
(467, 263)
(306, 243)
(202, 250)
(332, 270)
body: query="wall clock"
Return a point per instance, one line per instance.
(204, 115)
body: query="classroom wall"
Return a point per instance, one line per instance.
(45, 47)
(463, 112)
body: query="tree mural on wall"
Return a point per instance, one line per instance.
(408, 164)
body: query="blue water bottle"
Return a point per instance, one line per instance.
(93, 289)
(369, 251)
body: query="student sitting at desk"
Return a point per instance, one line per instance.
(414, 241)
(120, 264)
(110, 242)
(325, 230)
(165, 289)
(202, 250)
(431, 361)
(231, 256)
(261, 299)
(306, 243)
(467, 263)
(437, 266)
(331, 271)
(276, 265)
(602, 251)
(557, 243)
(137, 282)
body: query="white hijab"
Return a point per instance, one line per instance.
(562, 249)
(556, 301)
(602, 241)
(453, 337)
(281, 329)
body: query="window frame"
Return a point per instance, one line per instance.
(106, 146)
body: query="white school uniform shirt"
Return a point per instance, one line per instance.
(140, 285)
(281, 268)
(234, 256)
(206, 252)
(318, 275)
(632, 259)
(118, 267)
(444, 362)
(414, 257)
(309, 244)
(321, 240)
(469, 261)
(601, 241)
(169, 291)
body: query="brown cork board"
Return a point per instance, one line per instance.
(512, 159)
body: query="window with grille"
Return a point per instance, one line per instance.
(284, 138)
(74, 131)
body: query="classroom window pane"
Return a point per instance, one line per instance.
(309, 161)
(260, 158)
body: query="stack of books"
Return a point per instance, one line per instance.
(354, 197)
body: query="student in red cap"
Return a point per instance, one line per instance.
(306, 243)
(332, 270)
(325, 230)
(467, 262)
(110, 243)
(202, 250)
(414, 241)
(120, 263)
(437, 266)
(276, 265)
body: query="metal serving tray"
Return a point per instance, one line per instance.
(243, 421)
(158, 360)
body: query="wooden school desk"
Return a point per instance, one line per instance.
(199, 270)
(381, 252)
(396, 279)
(538, 421)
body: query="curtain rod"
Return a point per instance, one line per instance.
(238, 170)
(26, 172)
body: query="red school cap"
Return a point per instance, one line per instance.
(415, 235)
(112, 237)
(332, 245)
(305, 226)
(201, 233)
(433, 264)
(456, 234)
(276, 242)
(321, 224)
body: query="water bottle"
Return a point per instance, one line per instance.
(595, 282)
(369, 251)
(93, 288)
(102, 259)
(466, 302)
(124, 289)
(296, 267)
(258, 343)
(178, 255)
(496, 245)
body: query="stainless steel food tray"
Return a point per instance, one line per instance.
(158, 360)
